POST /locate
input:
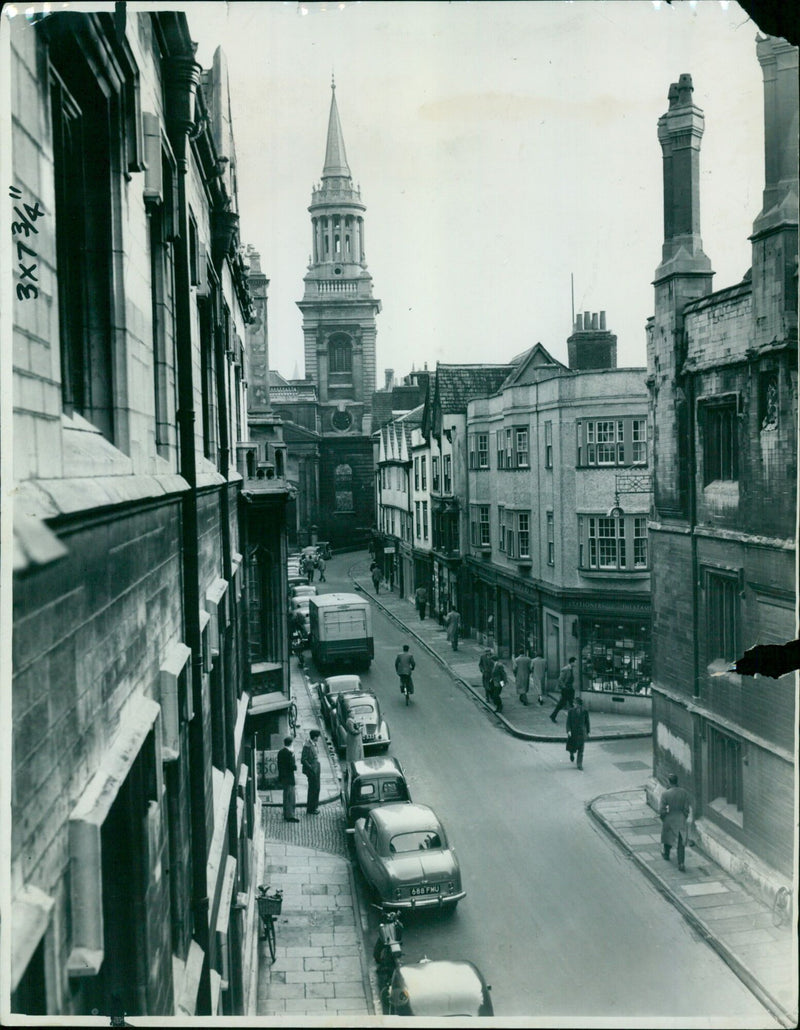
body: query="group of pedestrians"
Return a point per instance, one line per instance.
(310, 564)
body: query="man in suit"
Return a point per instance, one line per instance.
(309, 762)
(566, 684)
(676, 804)
(286, 767)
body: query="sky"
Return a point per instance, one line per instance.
(501, 149)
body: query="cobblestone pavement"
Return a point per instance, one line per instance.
(325, 831)
(739, 927)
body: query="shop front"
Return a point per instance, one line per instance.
(615, 656)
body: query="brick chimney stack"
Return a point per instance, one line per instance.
(591, 345)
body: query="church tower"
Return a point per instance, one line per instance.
(338, 307)
(339, 334)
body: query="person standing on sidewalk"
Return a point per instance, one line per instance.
(375, 573)
(453, 623)
(286, 767)
(566, 684)
(486, 664)
(499, 679)
(421, 601)
(521, 667)
(577, 731)
(309, 763)
(539, 669)
(676, 804)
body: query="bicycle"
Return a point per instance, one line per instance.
(269, 906)
(782, 907)
(406, 685)
(292, 714)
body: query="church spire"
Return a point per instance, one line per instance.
(335, 156)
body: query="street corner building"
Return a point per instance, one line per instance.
(722, 376)
(132, 802)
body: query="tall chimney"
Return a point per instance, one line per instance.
(680, 131)
(389, 377)
(778, 60)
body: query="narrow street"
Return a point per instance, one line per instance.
(558, 920)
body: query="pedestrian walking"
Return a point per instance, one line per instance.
(375, 573)
(676, 804)
(453, 622)
(309, 569)
(286, 768)
(321, 569)
(539, 672)
(486, 664)
(309, 763)
(577, 731)
(421, 601)
(521, 667)
(566, 684)
(355, 744)
(499, 680)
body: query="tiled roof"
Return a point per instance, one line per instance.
(456, 385)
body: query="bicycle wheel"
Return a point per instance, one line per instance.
(270, 932)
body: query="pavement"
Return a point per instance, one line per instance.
(321, 968)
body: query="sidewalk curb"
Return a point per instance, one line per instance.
(727, 956)
(510, 727)
(369, 995)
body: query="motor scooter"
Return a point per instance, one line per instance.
(388, 950)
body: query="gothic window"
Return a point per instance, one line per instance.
(343, 486)
(341, 355)
(720, 450)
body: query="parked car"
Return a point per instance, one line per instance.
(303, 590)
(403, 852)
(371, 782)
(440, 988)
(328, 691)
(365, 709)
(295, 579)
(300, 603)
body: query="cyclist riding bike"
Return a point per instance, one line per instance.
(404, 665)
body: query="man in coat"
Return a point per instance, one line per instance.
(676, 804)
(539, 669)
(355, 745)
(566, 684)
(421, 601)
(577, 731)
(286, 767)
(499, 678)
(321, 568)
(309, 763)
(375, 573)
(486, 664)
(453, 623)
(521, 667)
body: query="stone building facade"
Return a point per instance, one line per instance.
(131, 803)
(723, 384)
(559, 496)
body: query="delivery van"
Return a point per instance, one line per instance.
(341, 630)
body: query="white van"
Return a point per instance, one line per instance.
(341, 630)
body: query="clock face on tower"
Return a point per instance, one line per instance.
(341, 420)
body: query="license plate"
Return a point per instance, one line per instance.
(430, 889)
(366, 737)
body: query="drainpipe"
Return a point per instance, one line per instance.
(181, 77)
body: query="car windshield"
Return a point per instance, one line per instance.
(419, 840)
(361, 710)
